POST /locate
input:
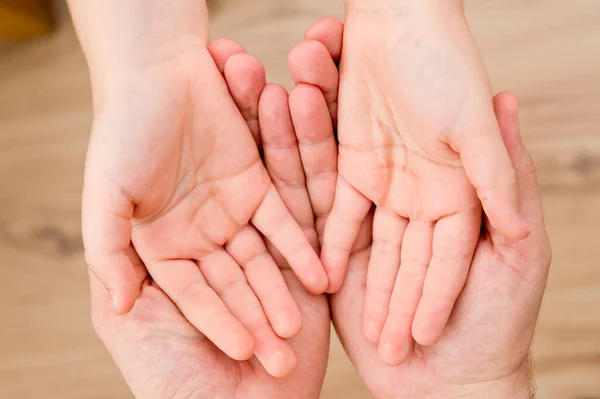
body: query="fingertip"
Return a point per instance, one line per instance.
(335, 265)
(329, 31)
(288, 324)
(116, 304)
(246, 77)
(307, 102)
(281, 363)
(225, 43)
(513, 226)
(310, 62)
(314, 278)
(244, 348)
(392, 353)
(320, 284)
(425, 334)
(222, 49)
(273, 103)
(122, 296)
(333, 287)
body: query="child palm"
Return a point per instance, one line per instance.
(408, 142)
(418, 138)
(174, 175)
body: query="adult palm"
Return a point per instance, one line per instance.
(485, 346)
(161, 355)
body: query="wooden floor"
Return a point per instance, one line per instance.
(546, 51)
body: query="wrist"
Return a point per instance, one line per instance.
(120, 37)
(401, 6)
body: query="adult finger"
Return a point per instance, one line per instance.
(507, 113)
(490, 170)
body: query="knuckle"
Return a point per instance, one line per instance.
(412, 268)
(234, 288)
(260, 256)
(386, 246)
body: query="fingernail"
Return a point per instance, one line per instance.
(115, 301)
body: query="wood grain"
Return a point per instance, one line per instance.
(546, 51)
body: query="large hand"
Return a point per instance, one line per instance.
(417, 137)
(171, 154)
(162, 356)
(484, 352)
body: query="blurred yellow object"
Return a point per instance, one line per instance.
(25, 18)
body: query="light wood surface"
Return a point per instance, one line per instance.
(25, 18)
(546, 51)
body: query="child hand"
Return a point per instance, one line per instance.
(428, 216)
(174, 183)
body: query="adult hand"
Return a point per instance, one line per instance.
(484, 351)
(161, 355)
(158, 351)
(171, 155)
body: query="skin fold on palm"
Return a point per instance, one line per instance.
(162, 356)
(158, 351)
(499, 305)
(497, 309)
(419, 140)
(174, 183)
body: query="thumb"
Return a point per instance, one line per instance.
(490, 170)
(106, 227)
(507, 107)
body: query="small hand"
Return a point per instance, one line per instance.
(159, 352)
(171, 155)
(418, 138)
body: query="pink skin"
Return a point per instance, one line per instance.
(160, 353)
(500, 302)
(418, 139)
(175, 187)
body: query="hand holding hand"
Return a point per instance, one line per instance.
(499, 306)
(174, 184)
(419, 139)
